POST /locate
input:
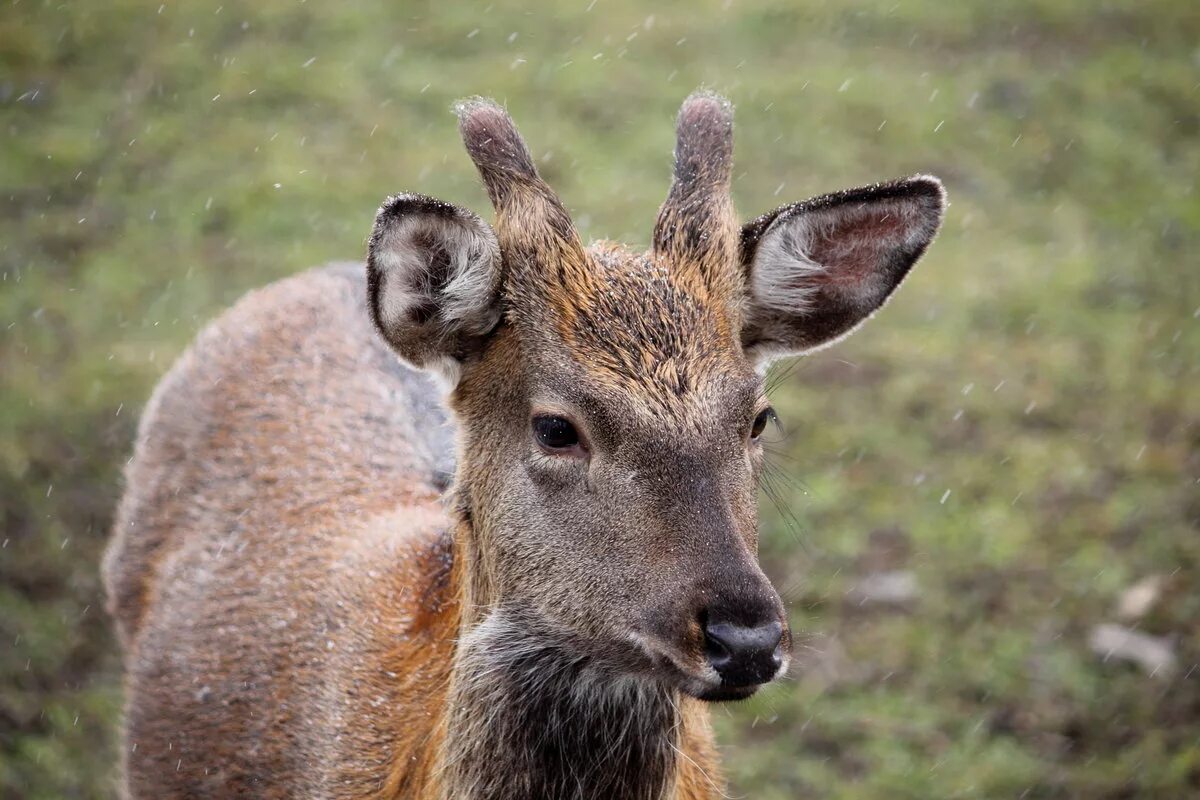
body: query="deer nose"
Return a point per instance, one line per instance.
(743, 655)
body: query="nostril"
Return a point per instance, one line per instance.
(716, 650)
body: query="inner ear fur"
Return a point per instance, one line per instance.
(433, 281)
(815, 270)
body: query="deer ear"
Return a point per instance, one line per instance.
(816, 270)
(433, 282)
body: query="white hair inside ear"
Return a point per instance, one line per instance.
(784, 275)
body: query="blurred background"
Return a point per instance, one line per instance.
(984, 508)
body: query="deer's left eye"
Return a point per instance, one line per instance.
(555, 433)
(760, 422)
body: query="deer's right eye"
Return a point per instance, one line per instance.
(555, 433)
(760, 422)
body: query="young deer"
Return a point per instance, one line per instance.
(308, 610)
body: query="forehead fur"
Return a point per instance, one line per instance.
(633, 325)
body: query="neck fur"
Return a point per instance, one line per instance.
(528, 717)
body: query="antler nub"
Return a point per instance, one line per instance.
(496, 147)
(696, 231)
(533, 227)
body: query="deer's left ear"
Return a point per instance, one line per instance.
(816, 270)
(433, 282)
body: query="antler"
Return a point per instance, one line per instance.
(534, 230)
(697, 231)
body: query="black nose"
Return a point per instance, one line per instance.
(741, 655)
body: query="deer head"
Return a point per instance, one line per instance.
(611, 402)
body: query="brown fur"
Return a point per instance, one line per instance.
(300, 540)
(304, 614)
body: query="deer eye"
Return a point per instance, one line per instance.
(555, 433)
(760, 422)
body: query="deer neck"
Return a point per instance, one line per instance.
(529, 716)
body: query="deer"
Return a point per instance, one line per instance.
(480, 520)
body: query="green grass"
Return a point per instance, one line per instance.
(1020, 428)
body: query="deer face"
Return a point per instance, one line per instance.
(611, 403)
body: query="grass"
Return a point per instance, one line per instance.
(1019, 429)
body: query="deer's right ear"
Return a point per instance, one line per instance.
(816, 270)
(433, 282)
